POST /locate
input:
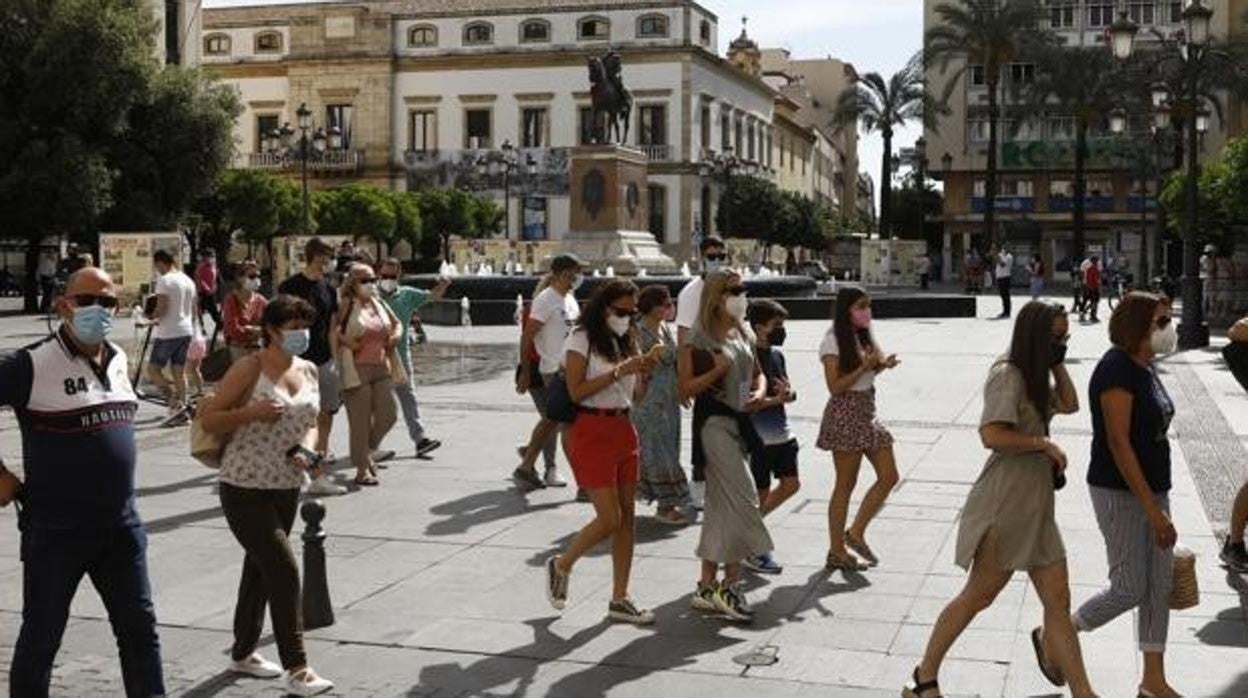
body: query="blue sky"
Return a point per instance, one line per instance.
(874, 35)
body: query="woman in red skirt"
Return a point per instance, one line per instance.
(605, 373)
(850, 429)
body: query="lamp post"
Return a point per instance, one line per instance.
(1193, 332)
(281, 142)
(505, 161)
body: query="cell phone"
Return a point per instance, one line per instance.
(313, 458)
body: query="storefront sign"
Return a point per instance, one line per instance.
(1048, 155)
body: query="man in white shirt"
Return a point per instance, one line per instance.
(714, 257)
(553, 313)
(172, 315)
(1003, 274)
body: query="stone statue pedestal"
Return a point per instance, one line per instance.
(610, 216)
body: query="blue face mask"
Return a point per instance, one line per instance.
(713, 265)
(577, 281)
(91, 324)
(295, 342)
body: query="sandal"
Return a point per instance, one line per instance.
(847, 563)
(671, 517)
(367, 481)
(920, 687)
(860, 546)
(1052, 673)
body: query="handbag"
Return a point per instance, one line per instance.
(1184, 591)
(559, 405)
(216, 362)
(208, 447)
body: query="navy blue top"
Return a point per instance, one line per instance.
(772, 424)
(1151, 412)
(77, 425)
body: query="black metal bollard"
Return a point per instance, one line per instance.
(318, 611)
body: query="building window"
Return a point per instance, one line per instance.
(977, 76)
(653, 125)
(781, 151)
(1015, 187)
(657, 200)
(1141, 12)
(1021, 130)
(725, 132)
(652, 27)
(268, 42)
(1061, 14)
(479, 34)
(768, 151)
(749, 142)
(1023, 73)
(265, 124)
(738, 136)
(1100, 188)
(422, 36)
(477, 129)
(980, 189)
(1061, 189)
(533, 123)
(1176, 12)
(217, 45)
(1060, 128)
(587, 125)
(977, 130)
(704, 127)
(704, 32)
(1100, 14)
(339, 115)
(535, 31)
(593, 29)
(422, 133)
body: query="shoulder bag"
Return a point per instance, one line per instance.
(207, 447)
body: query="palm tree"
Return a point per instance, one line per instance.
(991, 34)
(1085, 83)
(885, 106)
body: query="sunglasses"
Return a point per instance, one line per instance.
(716, 257)
(735, 290)
(620, 312)
(1162, 322)
(387, 277)
(253, 276)
(86, 300)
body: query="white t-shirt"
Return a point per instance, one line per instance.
(828, 348)
(687, 303)
(557, 313)
(616, 396)
(179, 293)
(1005, 266)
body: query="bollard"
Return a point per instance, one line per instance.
(318, 611)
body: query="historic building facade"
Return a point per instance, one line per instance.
(418, 91)
(1035, 186)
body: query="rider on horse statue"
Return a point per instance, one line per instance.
(612, 102)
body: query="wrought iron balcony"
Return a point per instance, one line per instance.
(333, 161)
(657, 153)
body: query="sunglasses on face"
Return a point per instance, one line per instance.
(387, 277)
(621, 312)
(253, 276)
(86, 300)
(734, 290)
(716, 257)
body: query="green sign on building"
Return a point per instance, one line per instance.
(1056, 155)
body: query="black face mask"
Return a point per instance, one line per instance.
(777, 337)
(1057, 353)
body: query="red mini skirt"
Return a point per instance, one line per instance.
(603, 450)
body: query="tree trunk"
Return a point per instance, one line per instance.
(30, 284)
(886, 186)
(1081, 190)
(990, 177)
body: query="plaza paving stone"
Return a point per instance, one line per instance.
(436, 576)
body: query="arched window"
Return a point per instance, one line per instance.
(217, 45)
(534, 31)
(593, 29)
(478, 33)
(422, 36)
(652, 27)
(268, 42)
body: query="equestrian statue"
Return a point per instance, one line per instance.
(612, 102)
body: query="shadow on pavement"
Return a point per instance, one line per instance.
(192, 483)
(171, 523)
(482, 508)
(642, 535)
(1226, 630)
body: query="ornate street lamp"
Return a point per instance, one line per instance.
(1118, 121)
(1122, 35)
(1196, 20)
(505, 162)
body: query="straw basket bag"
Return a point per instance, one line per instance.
(1184, 593)
(207, 447)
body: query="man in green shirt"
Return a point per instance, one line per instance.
(404, 300)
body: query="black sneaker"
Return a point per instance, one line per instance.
(556, 584)
(426, 446)
(1235, 556)
(627, 612)
(527, 480)
(581, 494)
(731, 602)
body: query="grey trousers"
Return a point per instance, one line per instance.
(406, 395)
(1140, 572)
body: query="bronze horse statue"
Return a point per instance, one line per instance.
(612, 102)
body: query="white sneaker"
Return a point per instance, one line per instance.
(307, 683)
(324, 487)
(256, 666)
(552, 479)
(697, 495)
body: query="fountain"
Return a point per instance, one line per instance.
(684, 271)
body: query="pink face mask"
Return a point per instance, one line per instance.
(861, 317)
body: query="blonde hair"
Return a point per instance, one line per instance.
(350, 280)
(709, 305)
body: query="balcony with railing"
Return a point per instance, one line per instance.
(328, 162)
(657, 152)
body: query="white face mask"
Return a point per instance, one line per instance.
(388, 286)
(1166, 340)
(251, 284)
(368, 290)
(737, 306)
(619, 325)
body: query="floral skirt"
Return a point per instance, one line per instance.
(850, 424)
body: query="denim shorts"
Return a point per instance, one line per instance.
(169, 351)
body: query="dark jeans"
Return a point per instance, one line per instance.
(1236, 356)
(208, 304)
(1003, 287)
(261, 521)
(54, 561)
(1091, 299)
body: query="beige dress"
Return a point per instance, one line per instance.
(1014, 493)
